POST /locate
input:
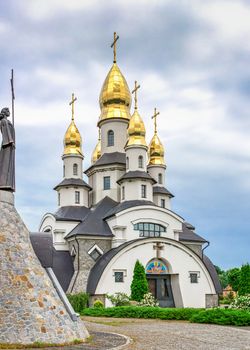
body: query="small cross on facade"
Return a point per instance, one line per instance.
(116, 37)
(72, 102)
(155, 121)
(135, 92)
(158, 247)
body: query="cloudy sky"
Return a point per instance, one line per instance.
(192, 59)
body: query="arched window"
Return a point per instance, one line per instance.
(140, 161)
(75, 169)
(127, 162)
(160, 178)
(149, 229)
(110, 138)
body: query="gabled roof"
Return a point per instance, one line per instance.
(109, 158)
(72, 182)
(126, 205)
(94, 223)
(71, 213)
(136, 175)
(163, 190)
(188, 235)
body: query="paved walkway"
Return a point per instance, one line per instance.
(171, 335)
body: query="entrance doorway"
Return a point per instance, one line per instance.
(160, 287)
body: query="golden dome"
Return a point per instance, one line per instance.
(72, 140)
(97, 151)
(156, 151)
(136, 131)
(115, 98)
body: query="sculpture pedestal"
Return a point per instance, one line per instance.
(30, 307)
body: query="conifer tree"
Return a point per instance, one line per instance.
(244, 283)
(139, 285)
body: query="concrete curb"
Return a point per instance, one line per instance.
(128, 341)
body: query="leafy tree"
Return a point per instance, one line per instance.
(139, 285)
(244, 281)
(223, 277)
(234, 278)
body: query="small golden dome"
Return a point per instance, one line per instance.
(136, 131)
(97, 151)
(72, 140)
(156, 151)
(115, 98)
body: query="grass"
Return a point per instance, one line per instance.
(39, 344)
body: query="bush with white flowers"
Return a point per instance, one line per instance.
(241, 302)
(148, 300)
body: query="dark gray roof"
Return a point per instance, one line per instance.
(94, 223)
(60, 261)
(163, 190)
(109, 158)
(189, 235)
(136, 175)
(72, 182)
(71, 213)
(126, 205)
(97, 270)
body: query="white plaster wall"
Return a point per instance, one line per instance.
(69, 161)
(96, 181)
(157, 200)
(120, 135)
(179, 259)
(129, 217)
(154, 171)
(133, 154)
(133, 189)
(67, 196)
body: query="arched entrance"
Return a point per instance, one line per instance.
(159, 282)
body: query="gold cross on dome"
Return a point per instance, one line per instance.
(135, 92)
(155, 121)
(158, 247)
(72, 102)
(116, 37)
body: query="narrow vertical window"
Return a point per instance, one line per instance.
(58, 199)
(143, 191)
(110, 138)
(106, 183)
(140, 161)
(127, 162)
(64, 171)
(160, 178)
(163, 204)
(123, 192)
(77, 197)
(75, 169)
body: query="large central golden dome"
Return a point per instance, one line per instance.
(115, 97)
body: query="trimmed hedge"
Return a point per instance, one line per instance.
(223, 317)
(216, 316)
(142, 312)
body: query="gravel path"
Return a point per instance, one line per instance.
(171, 335)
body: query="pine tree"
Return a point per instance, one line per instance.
(244, 283)
(139, 285)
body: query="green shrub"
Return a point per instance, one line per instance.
(79, 301)
(222, 317)
(98, 304)
(119, 299)
(139, 285)
(244, 282)
(241, 302)
(148, 300)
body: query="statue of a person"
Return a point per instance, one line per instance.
(7, 152)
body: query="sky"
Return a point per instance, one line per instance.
(192, 60)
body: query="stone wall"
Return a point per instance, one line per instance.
(80, 278)
(212, 300)
(30, 308)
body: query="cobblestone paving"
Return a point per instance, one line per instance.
(171, 335)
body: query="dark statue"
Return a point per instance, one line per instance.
(7, 152)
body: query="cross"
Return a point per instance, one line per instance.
(12, 93)
(72, 102)
(135, 92)
(155, 121)
(116, 37)
(158, 247)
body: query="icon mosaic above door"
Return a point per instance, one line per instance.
(156, 267)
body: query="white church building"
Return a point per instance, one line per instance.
(122, 214)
